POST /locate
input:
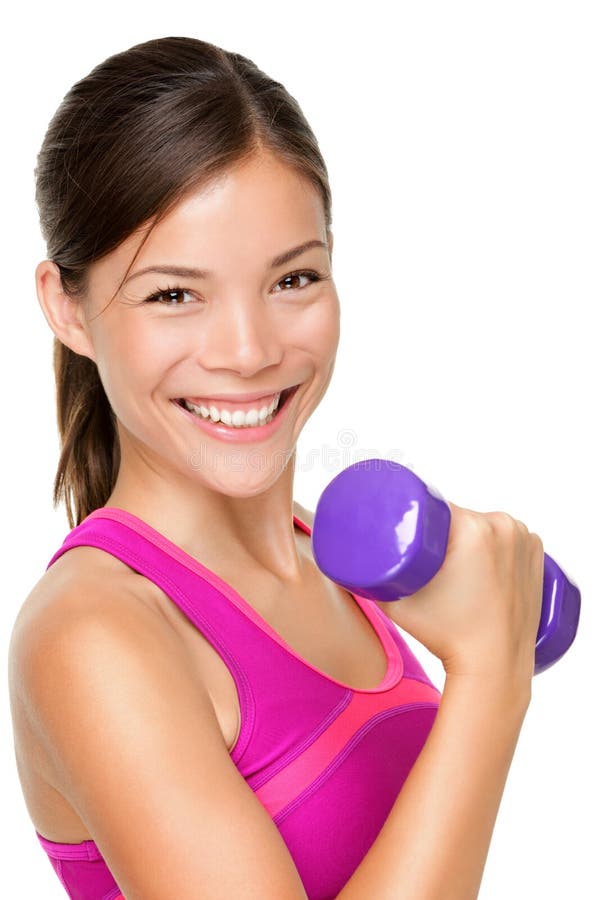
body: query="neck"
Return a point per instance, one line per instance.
(254, 532)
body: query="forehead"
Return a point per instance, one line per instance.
(243, 217)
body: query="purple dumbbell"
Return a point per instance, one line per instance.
(381, 532)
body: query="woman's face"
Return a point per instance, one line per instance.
(249, 325)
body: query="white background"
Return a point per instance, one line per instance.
(463, 149)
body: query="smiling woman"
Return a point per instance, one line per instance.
(189, 114)
(198, 711)
(231, 330)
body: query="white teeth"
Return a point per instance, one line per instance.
(239, 418)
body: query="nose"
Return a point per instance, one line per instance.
(241, 336)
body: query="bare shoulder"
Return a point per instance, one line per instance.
(84, 581)
(84, 594)
(133, 739)
(81, 629)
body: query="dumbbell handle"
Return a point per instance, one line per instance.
(382, 533)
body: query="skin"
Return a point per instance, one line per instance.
(239, 330)
(244, 336)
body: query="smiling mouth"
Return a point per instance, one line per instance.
(284, 398)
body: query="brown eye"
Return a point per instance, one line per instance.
(172, 296)
(295, 276)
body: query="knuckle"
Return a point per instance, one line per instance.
(467, 528)
(491, 528)
(474, 523)
(536, 542)
(502, 521)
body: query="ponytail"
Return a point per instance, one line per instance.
(90, 453)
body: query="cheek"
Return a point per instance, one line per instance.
(133, 368)
(319, 331)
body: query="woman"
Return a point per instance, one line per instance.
(198, 711)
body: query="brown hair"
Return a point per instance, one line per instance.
(126, 144)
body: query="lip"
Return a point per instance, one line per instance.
(242, 435)
(238, 398)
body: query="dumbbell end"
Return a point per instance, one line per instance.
(559, 619)
(379, 530)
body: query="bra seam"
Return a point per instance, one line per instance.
(348, 748)
(59, 872)
(270, 772)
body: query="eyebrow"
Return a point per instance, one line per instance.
(187, 272)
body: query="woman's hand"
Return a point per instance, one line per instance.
(480, 613)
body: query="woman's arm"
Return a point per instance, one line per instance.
(135, 747)
(435, 841)
(479, 615)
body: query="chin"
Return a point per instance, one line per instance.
(236, 483)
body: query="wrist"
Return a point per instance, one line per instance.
(499, 688)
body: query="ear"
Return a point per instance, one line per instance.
(64, 315)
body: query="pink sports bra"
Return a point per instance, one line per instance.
(326, 760)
